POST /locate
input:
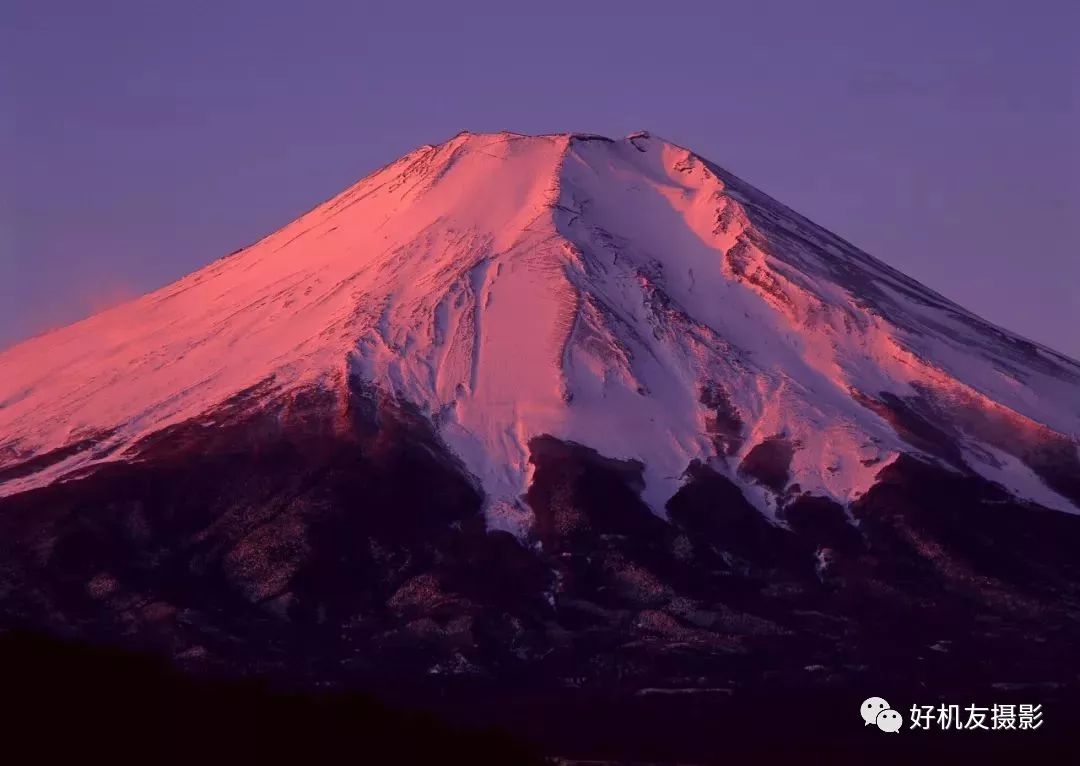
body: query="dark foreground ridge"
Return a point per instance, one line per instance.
(78, 702)
(331, 557)
(95, 703)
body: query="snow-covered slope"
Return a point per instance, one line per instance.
(627, 295)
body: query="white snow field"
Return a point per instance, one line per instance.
(510, 286)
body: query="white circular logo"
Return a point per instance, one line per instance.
(890, 721)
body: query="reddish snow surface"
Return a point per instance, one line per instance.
(511, 286)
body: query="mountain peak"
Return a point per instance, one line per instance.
(626, 295)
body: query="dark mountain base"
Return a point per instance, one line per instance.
(350, 553)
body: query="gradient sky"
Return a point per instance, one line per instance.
(141, 140)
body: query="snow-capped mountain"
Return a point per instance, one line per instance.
(629, 296)
(586, 438)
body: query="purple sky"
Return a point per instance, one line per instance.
(140, 140)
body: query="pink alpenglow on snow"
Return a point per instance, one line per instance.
(627, 295)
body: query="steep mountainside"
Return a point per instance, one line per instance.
(562, 420)
(593, 290)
